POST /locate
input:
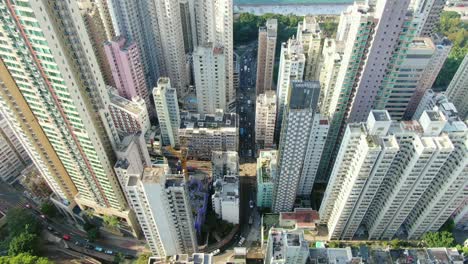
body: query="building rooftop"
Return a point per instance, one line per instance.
(224, 163)
(381, 115)
(227, 188)
(304, 94)
(211, 121)
(154, 175)
(135, 106)
(303, 217)
(266, 165)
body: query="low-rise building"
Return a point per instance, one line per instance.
(224, 163)
(286, 247)
(265, 119)
(266, 173)
(301, 218)
(226, 198)
(201, 134)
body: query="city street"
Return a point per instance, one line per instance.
(246, 100)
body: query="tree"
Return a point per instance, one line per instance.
(93, 234)
(439, 239)
(119, 257)
(23, 243)
(334, 244)
(19, 220)
(395, 243)
(111, 221)
(49, 209)
(143, 259)
(24, 259)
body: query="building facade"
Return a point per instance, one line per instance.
(265, 119)
(310, 36)
(127, 70)
(291, 67)
(202, 134)
(226, 199)
(65, 91)
(161, 202)
(399, 177)
(210, 80)
(266, 174)
(167, 109)
(129, 116)
(13, 157)
(457, 91)
(295, 132)
(266, 56)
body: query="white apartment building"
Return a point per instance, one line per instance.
(438, 102)
(457, 91)
(291, 67)
(428, 11)
(315, 146)
(293, 145)
(226, 199)
(167, 109)
(224, 163)
(161, 203)
(398, 178)
(310, 36)
(214, 24)
(129, 116)
(64, 88)
(266, 56)
(461, 216)
(202, 134)
(210, 80)
(286, 247)
(266, 174)
(13, 157)
(265, 119)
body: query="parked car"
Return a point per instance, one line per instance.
(78, 244)
(56, 233)
(66, 237)
(89, 246)
(241, 241)
(109, 252)
(50, 228)
(216, 252)
(99, 249)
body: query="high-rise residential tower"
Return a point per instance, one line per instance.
(380, 33)
(310, 36)
(167, 109)
(44, 48)
(161, 200)
(98, 35)
(187, 17)
(214, 24)
(266, 174)
(291, 67)
(210, 81)
(297, 123)
(266, 56)
(265, 119)
(428, 11)
(127, 70)
(400, 179)
(13, 157)
(457, 91)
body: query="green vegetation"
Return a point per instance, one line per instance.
(22, 240)
(24, 259)
(438, 239)
(246, 27)
(456, 30)
(92, 231)
(143, 258)
(49, 209)
(111, 222)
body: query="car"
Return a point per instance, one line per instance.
(251, 204)
(99, 249)
(78, 244)
(129, 257)
(89, 246)
(241, 241)
(216, 252)
(66, 237)
(109, 252)
(50, 228)
(28, 206)
(56, 233)
(43, 216)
